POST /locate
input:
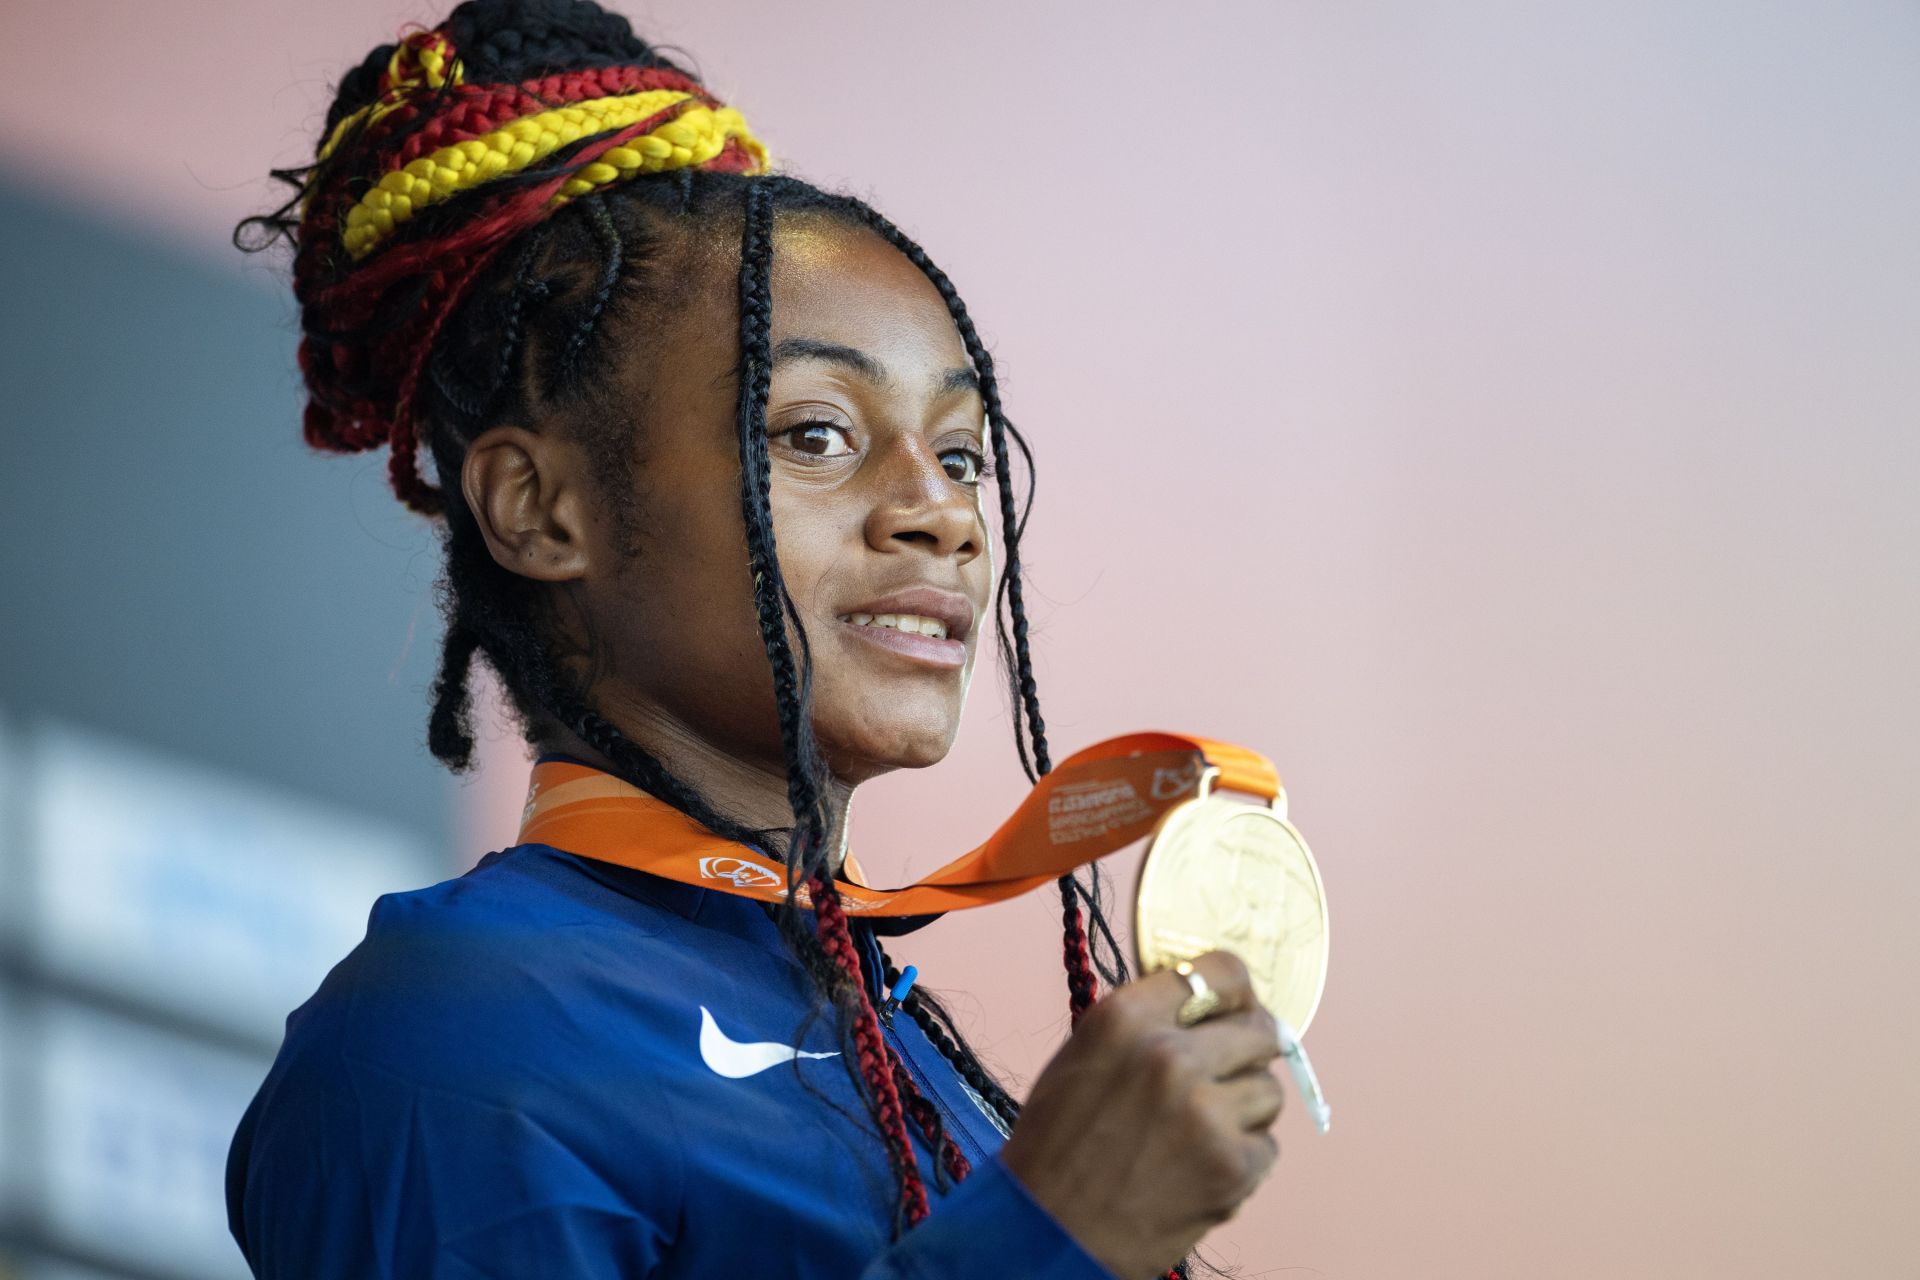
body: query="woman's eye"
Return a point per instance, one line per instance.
(821, 439)
(964, 465)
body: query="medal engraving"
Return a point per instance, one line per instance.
(1225, 874)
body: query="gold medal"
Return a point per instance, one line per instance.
(1221, 873)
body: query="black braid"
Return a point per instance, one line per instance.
(792, 681)
(525, 39)
(807, 854)
(635, 763)
(470, 397)
(450, 728)
(937, 1025)
(610, 269)
(1010, 607)
(536, 304)
(513, 325)
(453, 388)
(1112, 961)
(1009, 603)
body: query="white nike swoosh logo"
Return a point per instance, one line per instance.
(737, 1059)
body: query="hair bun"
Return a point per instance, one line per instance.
(441, 150)
(507, 40)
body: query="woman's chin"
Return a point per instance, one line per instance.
(882, 748)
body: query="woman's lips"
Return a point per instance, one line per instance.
(924, 608)
(914, 636)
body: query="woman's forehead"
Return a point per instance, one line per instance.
(842, 284)
(834, 286)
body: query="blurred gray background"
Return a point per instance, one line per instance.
(212, 702)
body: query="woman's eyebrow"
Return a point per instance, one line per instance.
(863, 364)
(816, 349)
(958, 380)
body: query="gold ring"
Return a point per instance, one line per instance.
(1204, 1001)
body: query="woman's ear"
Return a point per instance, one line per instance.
(527, 492)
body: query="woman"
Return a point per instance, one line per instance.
(635, 356)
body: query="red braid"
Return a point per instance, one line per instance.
(402, 469)
(927, 1117)
(479, 110)
(1083, 987)
(836, 937)
(876, 1060)
(363, 371)
(339, 421)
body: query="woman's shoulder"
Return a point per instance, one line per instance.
(524, 910)
(504, 960)
(482, 1038)
(524, 887)
(536, 956)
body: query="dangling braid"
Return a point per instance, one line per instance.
(937, 1025)
(1010, 605)
(1082, 985)
(877, 1063)
(792, 681)
(889, 1086)
(954, 1165)
(450, 726)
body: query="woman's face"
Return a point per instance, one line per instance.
(875, 439)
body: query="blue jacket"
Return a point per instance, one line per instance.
(554, 1066)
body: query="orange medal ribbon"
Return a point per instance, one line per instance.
(1096, 801)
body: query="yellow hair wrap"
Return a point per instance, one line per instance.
(693, 137)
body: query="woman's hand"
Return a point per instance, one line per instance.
(1141, 1134)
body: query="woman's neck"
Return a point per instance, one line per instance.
(750, 793)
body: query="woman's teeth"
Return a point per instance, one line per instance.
(911, 623)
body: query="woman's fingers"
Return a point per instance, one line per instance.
(1222, 971)
(1232, 1160)
(1253, 1100)
(1232, 1043)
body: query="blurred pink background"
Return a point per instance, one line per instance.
(1502, 415)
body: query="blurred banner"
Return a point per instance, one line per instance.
(170, 883)
(163, 918)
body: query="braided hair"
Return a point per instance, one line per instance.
(491, 199)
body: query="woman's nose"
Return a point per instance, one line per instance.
(920, 506)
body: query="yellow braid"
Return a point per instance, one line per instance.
(693, 137)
